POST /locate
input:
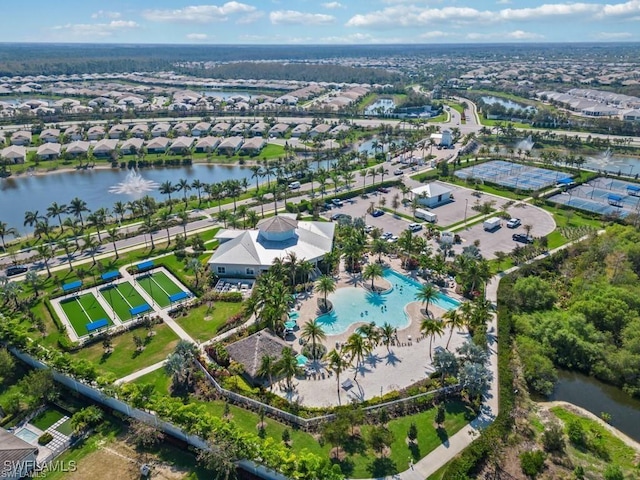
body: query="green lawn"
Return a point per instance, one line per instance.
(47, 418)
(203, 325)
(124, 359)
(122, 297)
(83, 310)
(65, 427)
(159, 287)
(158, 378)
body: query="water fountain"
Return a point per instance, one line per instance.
(526, 144)
(604, 158)
(133, 184)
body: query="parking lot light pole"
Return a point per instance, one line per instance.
(466, 203)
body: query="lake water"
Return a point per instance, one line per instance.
(30, 193)
(614, 163)
(509, 104)
(381, 106)
(598, 397)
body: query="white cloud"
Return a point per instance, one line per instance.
(199, 13)
(293, 17)
(435, 34)
(250, 17)
(106, 14)
(515, 35)
(332, 5)
(197, 36)
(412, 15)
(96, 29)
(613, 35)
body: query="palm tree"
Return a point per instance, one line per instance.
(372, 271)
(453, 320)
(66, 246)
(223, 216)
(325, 285)
(252, 218)
(288, 366)
(357, 347)
(313, 332)
(76, 207)
(183, 218)
(388, 333)
(149, 226)
(426, 295)
(5, 230)
(268, 367)
(198, 185)
(431, 328)
(91, 246)
(31, 218)
(167, 188)
(337, 364)
(292, 264)
(46, 252)
(184, 187)
(119, 210)
(114, 236)
(55, 210)
(256, 172)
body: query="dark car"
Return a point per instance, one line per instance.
(377, 213)
(16, 270)
(521, 237)
(336, 216)
(383, 190)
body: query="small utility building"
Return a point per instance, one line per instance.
(432, 194)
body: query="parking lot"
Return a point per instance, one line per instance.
(541, 222)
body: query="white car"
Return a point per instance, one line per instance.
(415, 227)
(386, 235)
(513, 223)
(392, 239)
(397, 172)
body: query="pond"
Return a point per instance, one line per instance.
(598, 397)
(613, 163)
(508, 104)
(382, 106)
(37, 192)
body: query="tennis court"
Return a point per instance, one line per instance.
(159, 286)
(122, 297)
(605, 196)
(513, 175)
(83, 310)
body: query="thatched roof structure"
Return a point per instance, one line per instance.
(249, 351)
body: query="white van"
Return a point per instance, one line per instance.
(425, 215)
(294, 185)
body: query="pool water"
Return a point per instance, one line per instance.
(302, 360)
(27, 435)
(355, 304)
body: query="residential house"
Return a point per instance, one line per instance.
(338, 129)
(200, 129)
(118, 131)
(77, 148)
(21, 137)
(258, 129)
(278, 130)
(238, 129)
(631, 116)
(139, 130)
(207, 144)
(50, 135)
(160, 129)
(252, 146)
(300, 130)
(320, 129)
(49, 151)
(14, 154)
(181, 145)
(157, 145)
(96, 132)
(131, 146)
(230, 145)
(105, 147)
(221, 128)
(182, 129)
(17, 457)
(73, 133)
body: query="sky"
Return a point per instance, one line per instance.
(319, 22)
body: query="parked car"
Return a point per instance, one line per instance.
(397, 171)
(368, 228)
(521, 237)
(386, 235)
(393, 239)
(16, 270)
(384, 190)
(377, 213)
(336, 216)
(337, 202)
(514, 223)
(326, 206)
(415, 227)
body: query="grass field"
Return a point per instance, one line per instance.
(47, 418)
(202, 324)
(125, 359)
(158, 378)
(83, 310)
(122, 297)
(159, 287)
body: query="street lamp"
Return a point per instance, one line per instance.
(466, 203)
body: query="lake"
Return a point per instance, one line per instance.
(598, 397)
(508, 104)
(382, 106)
(29, 193)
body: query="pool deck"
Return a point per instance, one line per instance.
(383, 371)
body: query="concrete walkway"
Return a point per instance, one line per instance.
(140, 373)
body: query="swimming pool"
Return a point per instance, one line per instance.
(355, 304)
(27, 435)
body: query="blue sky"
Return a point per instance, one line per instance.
(319, 21)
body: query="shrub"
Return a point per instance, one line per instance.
(553, 439)
(532, 463)
(45, 438)
(576, 433)
(412, 434)
(613, 472)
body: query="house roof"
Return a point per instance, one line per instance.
(158, 142)
(254, 143)
(49, 149)
(14, 151)
(210, 142)
(249, 351)
(132, 142)
(431, 190)
(182, 142)
(309, 240)
(78, 146)
(278, 223)
(231, 142)
(13, 450)
(105, 145)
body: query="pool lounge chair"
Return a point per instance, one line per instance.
(347, 384)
